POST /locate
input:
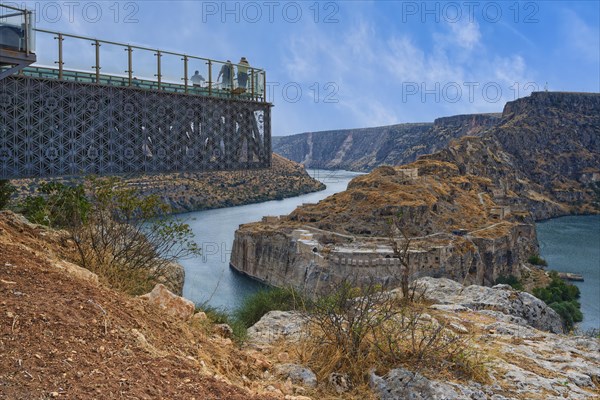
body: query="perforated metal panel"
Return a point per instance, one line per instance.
(54, 128)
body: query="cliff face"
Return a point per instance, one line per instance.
(192, 191)
(543, 156)
(365, 149)
(470, 208)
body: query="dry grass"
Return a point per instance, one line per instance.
(379, 331)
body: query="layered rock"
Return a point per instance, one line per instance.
(192, 191)
(365, 149)
(528, 309)
(316, 261)
(505, 327)
(469, 209)
(543, 156)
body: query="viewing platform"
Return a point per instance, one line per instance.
(17, 41)
(90, 106)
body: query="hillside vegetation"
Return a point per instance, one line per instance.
(193, 191)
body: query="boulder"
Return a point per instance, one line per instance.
(298, 374)
(500, 298)
(76, 271)
(172, 276)
(277, 325)
(170, 302)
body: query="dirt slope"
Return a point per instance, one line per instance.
(65, 337)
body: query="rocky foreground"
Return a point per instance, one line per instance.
(509, 328)
(65, 335)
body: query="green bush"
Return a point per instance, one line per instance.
(562, 298)
(510, 280)
(221, 316)
(569, 312)
(57, 205)
(252, 309)
(537, 260)
(119, 234)
(263, 301)
(6, 192)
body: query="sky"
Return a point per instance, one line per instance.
(349, 64)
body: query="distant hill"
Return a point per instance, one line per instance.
(365, 149)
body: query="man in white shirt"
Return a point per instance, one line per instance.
(197, 79)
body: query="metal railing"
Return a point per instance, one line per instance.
(16, 27)
(171, 71)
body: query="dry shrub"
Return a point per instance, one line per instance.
(126, 238)
(354, 331)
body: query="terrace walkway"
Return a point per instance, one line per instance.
(134, 111)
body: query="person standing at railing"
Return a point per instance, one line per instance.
(227, 73)
(197, 79)
(243, 72)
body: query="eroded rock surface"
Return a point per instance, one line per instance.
(277, 325)
(522, 362)
(500, 298)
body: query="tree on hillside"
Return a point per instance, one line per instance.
(400, 246)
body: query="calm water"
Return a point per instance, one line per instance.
(572, 244)
(209, 278)
(569, 244)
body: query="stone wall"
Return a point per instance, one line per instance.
(298, 258)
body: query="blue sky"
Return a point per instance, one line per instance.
(351, 64)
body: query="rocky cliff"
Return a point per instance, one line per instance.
(192, 191)
(544, 155)
(469, 208)
(365, 149)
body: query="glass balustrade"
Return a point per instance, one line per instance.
(88, 60)
(16, 29)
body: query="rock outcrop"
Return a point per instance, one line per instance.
(469, 209)
(522, 361)
(543, 157)
(297, 374)
(528, 309)
(275, 326)
(174, 305)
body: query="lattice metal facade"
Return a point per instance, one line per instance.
(55, 128)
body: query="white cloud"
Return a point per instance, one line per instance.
(581, 37)
(465, 34)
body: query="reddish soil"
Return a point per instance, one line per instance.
(64, 337)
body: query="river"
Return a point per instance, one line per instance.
(572, 244)
(569, 244)
(208, 278)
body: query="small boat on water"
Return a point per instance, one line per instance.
(569, 276)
